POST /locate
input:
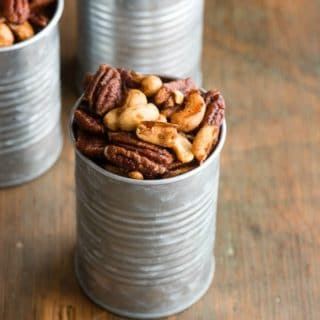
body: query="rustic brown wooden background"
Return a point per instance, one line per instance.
(265, 55)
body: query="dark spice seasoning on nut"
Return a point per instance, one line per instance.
(22, 19)
(144, 127)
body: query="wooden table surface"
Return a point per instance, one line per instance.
(265, 56)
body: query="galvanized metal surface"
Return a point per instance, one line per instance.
(145, 248)
(30, 133)
(160, 37)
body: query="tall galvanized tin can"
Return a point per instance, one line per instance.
(145, 248)
(149, 36)
(30, 133)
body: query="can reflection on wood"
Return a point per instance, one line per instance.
(149, 36)
(145, 248)
(30, 133)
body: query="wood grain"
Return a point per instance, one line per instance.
(265, 56)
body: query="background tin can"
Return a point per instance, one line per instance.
(30, 133)
(148, 36)
(145, 248)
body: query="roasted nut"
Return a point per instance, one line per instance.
(133, 161)
(129, 79)
(134, 97)
(111, 119)
(104, 92)
(179, 169)
(166, 135)
(215, 108)
(151, 151)
(159, 133)
(207, 137)
(161, 158)
(6, 36)
(192, 114)
(178, 97)
(183, 149)
(165, 96)
(22, 31)
(135, 110)
(91, 146)
(38, 19)
(135, 175)
(88, 123)
(129, 138)
(16, 11)
(132, 116)
(150, 85)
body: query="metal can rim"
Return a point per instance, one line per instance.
(53, 22)
(111, 175)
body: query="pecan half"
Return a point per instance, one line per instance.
(16, 11)
(164, 159)
(38, 19)
(88, 123)
(91, 146)
(103, 93)
(129, 141)
(166, 95)
(132, 161)
(215, 108)
(129, 79)
(179, 168)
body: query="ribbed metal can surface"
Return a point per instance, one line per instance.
(30, 133)
(149, 36)
(145, 248)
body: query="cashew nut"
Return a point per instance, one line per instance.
(22, 31)
(110, 120)
(160, 133)
(151, 85)
(135, 175)
(130, 117)
(134, 97)
(191, 116)
(166, 135)
(178, 97)
(6, 36)
(204, 141)
(183, 149)
(134, 110)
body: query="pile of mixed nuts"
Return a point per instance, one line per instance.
(144, 127)
(22, 19)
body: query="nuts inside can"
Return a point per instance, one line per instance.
(22, 19)
(145, 126)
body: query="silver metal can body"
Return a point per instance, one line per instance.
(145, 248)
(149, 36)
(30, 133)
